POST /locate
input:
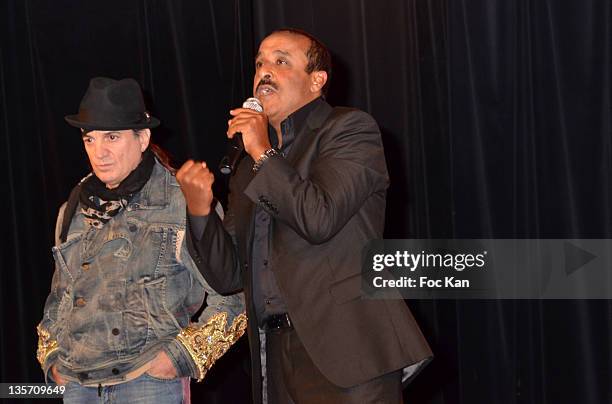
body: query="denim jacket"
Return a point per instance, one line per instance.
(123, 292)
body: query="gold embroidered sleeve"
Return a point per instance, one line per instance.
(46, 345)
(208, 342)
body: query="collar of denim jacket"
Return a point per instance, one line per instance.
(151, 196)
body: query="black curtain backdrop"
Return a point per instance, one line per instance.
(496, 119)
(530, 140)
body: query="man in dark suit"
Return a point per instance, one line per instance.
(305, 200)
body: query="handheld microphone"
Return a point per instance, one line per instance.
(235, 147)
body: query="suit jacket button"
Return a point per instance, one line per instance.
(85, 266)
(80, 302)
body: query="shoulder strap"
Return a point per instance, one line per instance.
(71, 205)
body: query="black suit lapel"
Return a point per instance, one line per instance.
(304, 136)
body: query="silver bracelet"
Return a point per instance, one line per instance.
(262, 159)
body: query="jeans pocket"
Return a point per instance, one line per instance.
(159, 379)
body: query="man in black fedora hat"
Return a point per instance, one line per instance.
(116, 324)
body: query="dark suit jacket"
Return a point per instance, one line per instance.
(326, 200)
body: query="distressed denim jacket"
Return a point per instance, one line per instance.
(122, 293)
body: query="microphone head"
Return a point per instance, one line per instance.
(253, 103)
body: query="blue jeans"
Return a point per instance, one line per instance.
(145, 389)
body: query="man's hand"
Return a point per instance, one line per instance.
(162, 367)
(196, 182)
(59, 380)
(254, 128)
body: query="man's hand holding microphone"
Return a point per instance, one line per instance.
(248, 131)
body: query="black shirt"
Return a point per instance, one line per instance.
(266, 295)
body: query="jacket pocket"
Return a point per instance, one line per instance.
(161, 321)
(165, 242)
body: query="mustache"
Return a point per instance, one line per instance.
(266, 82)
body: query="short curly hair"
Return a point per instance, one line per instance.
(319, 58)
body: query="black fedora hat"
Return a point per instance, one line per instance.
(112, 104)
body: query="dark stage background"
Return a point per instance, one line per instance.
(495, 114)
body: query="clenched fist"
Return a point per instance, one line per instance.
(196, 182)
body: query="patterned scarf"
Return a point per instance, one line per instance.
(100, 204)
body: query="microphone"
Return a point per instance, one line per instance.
(235, 147)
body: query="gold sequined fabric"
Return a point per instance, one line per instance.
(208, 342)
(46, 345)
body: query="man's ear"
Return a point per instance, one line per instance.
(144, 136)
(318, 80)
